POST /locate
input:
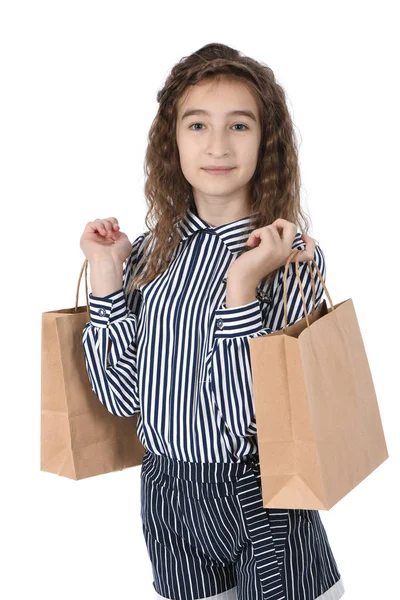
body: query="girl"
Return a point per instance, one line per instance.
(168, 336)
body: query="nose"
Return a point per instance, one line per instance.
(218, 144)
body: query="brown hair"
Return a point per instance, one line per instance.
(275, 185)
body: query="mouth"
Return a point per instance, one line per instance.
(219, 171)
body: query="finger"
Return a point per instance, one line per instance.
(275, 232)
(260, 233)
(113, 221)
(309, 251)
(255, 236)
(96, 226)
(108, 226)
(310, 245)
(286, 230)
(102, 229)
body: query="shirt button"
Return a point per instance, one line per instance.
(263, 297)
(220, 324)
(102, 312)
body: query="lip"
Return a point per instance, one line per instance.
(218, 170)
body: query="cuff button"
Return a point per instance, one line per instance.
(263, 297)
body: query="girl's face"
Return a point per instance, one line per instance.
(217, 138)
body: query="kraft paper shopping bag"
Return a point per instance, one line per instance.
(318, 422)
(79, 437)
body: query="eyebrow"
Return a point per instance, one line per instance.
(198, 111)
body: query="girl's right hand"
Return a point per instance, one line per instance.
(102, 239)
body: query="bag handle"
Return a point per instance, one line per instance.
(296, 254)
(84, 268)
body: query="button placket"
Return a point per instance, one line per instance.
(220, 323)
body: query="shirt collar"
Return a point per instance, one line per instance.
(234, 234)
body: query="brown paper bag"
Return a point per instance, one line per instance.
(79, 437)
(318, 423)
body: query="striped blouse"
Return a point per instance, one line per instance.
(173, 353)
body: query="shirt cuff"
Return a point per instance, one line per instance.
(107, 309)
(239, 320)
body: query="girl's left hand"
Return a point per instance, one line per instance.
(272, 246)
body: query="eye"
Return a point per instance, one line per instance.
(236, 125)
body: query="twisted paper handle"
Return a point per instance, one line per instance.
(296, 254)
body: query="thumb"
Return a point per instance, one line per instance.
(252, 239)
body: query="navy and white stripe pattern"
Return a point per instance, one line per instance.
(179, 324)
(208, 536)
(171, 352)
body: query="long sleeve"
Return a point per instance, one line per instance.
(109, 343)
(230, 366)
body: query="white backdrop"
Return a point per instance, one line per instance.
(78, 95)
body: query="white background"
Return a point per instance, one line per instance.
(78, 95)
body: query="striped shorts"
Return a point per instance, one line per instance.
(209, 537)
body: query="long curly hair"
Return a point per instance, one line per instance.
(275, 185)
